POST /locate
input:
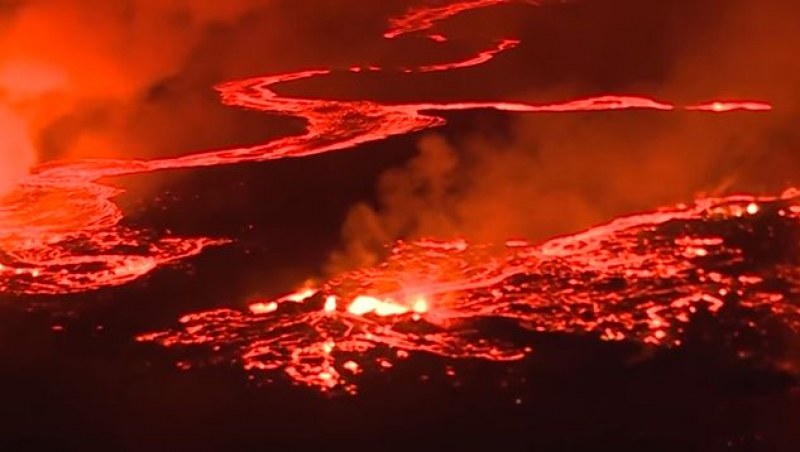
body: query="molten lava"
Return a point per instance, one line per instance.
(425, 17)
(481, 58)
(639, 278)
(60, 231)
(722, 106)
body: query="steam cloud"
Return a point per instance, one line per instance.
(554, 174)
(133, 78)
(92, 78)
(71, 71)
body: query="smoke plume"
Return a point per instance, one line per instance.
(134, 78)
(70, 69)
(553, 174)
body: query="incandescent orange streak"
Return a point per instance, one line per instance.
(639, 278)
(726, 106)
(60, 231)
(481, 58)
(425, 17)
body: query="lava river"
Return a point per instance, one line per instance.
(60, 231)
(636, 278)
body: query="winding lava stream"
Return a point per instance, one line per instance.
(61, 232)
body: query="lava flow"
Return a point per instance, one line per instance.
(60, 231)
(425, 17)
(638, 278)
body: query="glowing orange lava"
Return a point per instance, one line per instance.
(482, 57)
(425, 17)
(60, 231)
(726, 106)
(639, 278)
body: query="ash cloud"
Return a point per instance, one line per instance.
(555, 174)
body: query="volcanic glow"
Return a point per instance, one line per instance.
(60, 232)
(724, 106)
(481, 58)
(17, 155)
(425, 17)
(638, 278)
